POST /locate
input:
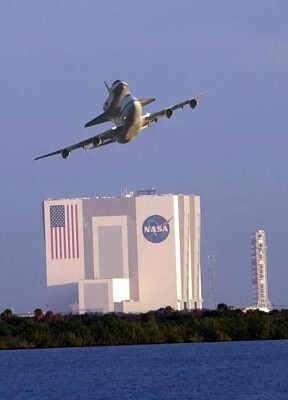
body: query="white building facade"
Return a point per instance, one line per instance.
(134, 253)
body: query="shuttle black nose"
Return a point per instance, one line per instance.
(115, 83)
(120, 87)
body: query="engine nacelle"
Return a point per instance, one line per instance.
(65, 153)
(96, 141)
(169, 112)
(193, 103)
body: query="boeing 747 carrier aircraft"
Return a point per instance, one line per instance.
(125, 110)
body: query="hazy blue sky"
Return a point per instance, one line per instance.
(231, 150)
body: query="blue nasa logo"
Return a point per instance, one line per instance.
(156, 228)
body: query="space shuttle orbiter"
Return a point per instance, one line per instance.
(112, 104)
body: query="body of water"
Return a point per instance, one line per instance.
(237, 370)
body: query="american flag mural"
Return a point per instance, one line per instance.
(64, 232)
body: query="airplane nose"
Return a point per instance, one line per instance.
(121, 86)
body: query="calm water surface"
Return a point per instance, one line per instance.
(241, 370)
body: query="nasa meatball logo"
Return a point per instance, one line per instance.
(156, 228)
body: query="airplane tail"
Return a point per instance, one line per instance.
(107, 87)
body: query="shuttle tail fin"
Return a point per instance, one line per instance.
(107, 87)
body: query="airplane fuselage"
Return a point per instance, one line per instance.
(130, 119)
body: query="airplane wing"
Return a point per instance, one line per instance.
(169, 111)
(102, 139)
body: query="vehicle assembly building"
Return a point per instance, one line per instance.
(133, 253)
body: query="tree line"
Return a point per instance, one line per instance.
(48, 330)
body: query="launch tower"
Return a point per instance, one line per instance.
(259, 270)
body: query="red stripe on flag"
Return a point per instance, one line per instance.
(56, 243)
(72, 230)
(52, 246)
(68, 230)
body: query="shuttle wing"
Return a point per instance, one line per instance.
(106, 116)
(149, 100)
(102, 139)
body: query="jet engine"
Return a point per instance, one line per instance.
(96, 141)
(169, 112)
(193, 103)
(65, 153)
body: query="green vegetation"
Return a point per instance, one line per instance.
(162, 326)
